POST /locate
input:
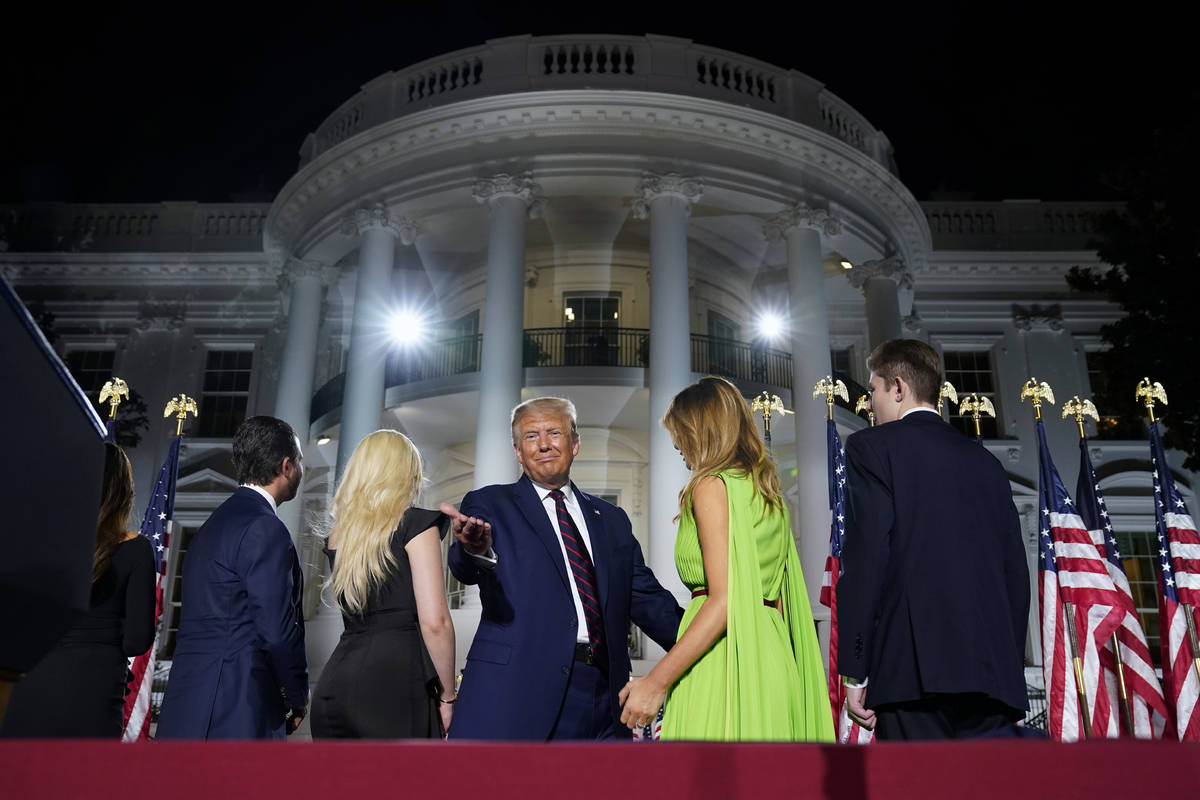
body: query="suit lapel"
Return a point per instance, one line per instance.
(600, 543)
(526, 498)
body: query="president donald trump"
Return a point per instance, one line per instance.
(560, 576)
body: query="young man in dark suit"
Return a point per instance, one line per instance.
(560, 576)
(933, 602)
(239, 670)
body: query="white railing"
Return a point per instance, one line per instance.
(644, 63)
(143, 227)
(1013, 224)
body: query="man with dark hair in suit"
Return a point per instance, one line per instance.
(933, 602)
(239, 670)
(560, 576)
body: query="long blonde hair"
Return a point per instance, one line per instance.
(711, 425)
(382, 480)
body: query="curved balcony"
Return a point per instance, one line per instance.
(741, 362)
(641, 63)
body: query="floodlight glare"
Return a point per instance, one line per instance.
(770, 325)
(844, 264)
(407, 327)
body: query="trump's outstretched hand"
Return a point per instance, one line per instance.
(474, 534)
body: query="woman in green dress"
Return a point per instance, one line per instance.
(746, 666)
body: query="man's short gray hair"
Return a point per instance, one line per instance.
(544, 405)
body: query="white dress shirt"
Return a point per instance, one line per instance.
(266, 494)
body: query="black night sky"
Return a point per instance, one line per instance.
(140, 102)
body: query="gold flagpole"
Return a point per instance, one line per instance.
(946, 392)
(765, 404)
(180, 406)
(1077, 408)
(974, 405)
(830, 388)
(1038, 392)
(114, 391)
(1148, 393)
(864, 404)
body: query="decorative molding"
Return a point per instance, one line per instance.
(502, 184)
(890, 268)
(160, 316)
(387, 156)
(531, 276)
(800, 215)
(298, 268)
(912, 323)
(654, 185)
(378, 217)
(1037, 317)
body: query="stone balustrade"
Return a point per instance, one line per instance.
(641, 63)
(133, 227)
(1013, 224)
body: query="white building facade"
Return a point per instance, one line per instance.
(605, 218)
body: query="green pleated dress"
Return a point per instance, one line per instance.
(763, 680)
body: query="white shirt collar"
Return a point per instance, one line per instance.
(919, 408)
(266, 494)
(542, 492)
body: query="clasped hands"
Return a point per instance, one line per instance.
(856, 710)
(474, 534)
(640, 700)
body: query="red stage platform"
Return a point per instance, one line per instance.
(356, 771)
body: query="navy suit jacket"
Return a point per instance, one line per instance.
(934, 596)
(239, 659)
(518, 665)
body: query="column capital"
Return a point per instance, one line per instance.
(378, 217)
(295, 269)
(654, 185)
(502, 184)
(800, 215)
(891, 268)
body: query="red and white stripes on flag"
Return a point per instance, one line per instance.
(1178, 593)
(1072, 563)
(1147, 706)
(155, 527)
(848, 730)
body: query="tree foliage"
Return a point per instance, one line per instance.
(1153, 247)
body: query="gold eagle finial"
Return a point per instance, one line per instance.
(864, 404)
(1148, 393)
(1037, 392)
(180, 406)
(975, 405)
(831, 388)
(114, 391)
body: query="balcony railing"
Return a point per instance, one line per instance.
(639, 63)
(574, 347)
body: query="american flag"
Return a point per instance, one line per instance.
(159, 513)
(1148, 709)
(1178, 593)
(848, 730)
(1074, 571)
(651, 732)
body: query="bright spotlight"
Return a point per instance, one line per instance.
(407, 327)
(770, 325)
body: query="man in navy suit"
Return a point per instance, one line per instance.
(239, 670)
(560, 575)
(933, 602)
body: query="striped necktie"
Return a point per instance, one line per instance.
(582, 569)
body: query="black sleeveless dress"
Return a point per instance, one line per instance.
(78, 688)
(380, 682)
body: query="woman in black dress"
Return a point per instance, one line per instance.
(392, 674)
(78, 688)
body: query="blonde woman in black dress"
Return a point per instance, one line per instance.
(392, 674)
(78, 688)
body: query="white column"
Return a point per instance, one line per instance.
(880, 282)
(667, 201)
(362, 402)
(801, 227)
(510, 199)
(305, 282)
